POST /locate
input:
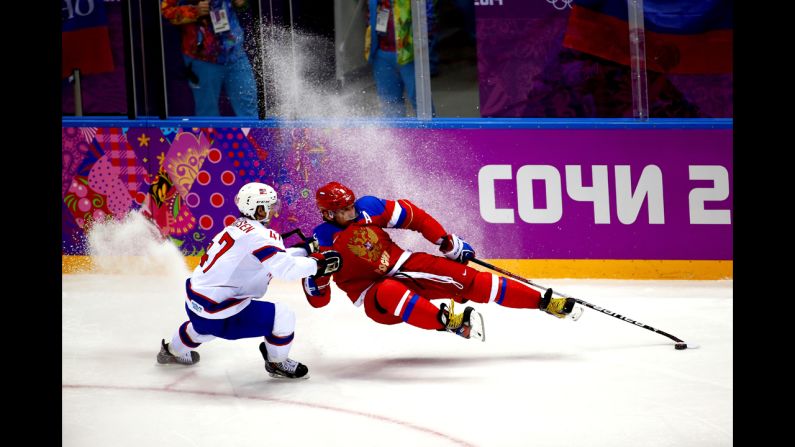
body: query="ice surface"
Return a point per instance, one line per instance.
(536, 381)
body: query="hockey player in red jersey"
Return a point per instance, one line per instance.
(395, 285)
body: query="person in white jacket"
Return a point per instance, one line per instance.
(222, 294)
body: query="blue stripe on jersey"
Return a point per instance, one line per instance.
(324, 233)
(209, 305)
(279, 341)
(373, 206)
(402, 217)
(503, 286)
(410, 307)
(266, 252)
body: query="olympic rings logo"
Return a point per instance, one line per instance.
(560, 4)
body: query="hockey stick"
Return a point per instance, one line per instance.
(309, 243)
(292, 232)
(680, 344)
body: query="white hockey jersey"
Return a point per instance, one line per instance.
(238, 266)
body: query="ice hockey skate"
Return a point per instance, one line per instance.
(287, 369)
(165, 356)
(468, 324)
(560, 307)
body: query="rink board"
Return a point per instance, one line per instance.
(552, 198)
(546, 268)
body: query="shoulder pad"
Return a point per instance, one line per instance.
(373, 206)
(324, 233)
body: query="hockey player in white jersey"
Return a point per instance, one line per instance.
(222, 293)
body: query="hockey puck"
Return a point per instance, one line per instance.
(680, 346)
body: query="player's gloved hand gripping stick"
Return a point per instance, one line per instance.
(309, 244)
(328, 261)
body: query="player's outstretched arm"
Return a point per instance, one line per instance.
(304, 248)
(405, 214)
(284, 266)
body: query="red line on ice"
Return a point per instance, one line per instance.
(281, 401)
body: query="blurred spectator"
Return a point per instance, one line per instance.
(575, 61)
(389, 48)
(214, 55)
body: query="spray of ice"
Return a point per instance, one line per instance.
(390, 172)
(297, 73)
(133, 245)
(379, 160)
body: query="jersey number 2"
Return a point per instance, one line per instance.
(226, 241)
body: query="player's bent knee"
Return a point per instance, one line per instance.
(483, 288)
(381, 301)
(387, 295)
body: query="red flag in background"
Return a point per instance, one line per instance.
(682, 36)
(85, 39)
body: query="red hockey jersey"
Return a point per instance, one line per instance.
(367, 251)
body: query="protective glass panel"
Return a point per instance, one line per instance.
(575, 58)
(689, 46)
(453, 59)
(92, 58)
(208, 49)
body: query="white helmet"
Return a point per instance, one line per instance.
(254, 194)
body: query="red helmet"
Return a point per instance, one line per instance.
(334, 196)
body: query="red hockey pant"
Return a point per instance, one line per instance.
(400, 298)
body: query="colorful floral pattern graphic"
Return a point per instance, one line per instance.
(74, 148)
(183, 179)
(184, 159)
(85, 204)
(105, 180)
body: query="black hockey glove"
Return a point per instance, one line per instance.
(328, 262)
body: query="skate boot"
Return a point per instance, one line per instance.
(468, 324)
(287, 369)
(560, 307)
(165, 356)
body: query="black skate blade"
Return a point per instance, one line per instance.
(279, 376)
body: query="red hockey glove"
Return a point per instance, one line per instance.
(456, 248)
(316, 290)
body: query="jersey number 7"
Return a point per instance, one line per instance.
(226, 243)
